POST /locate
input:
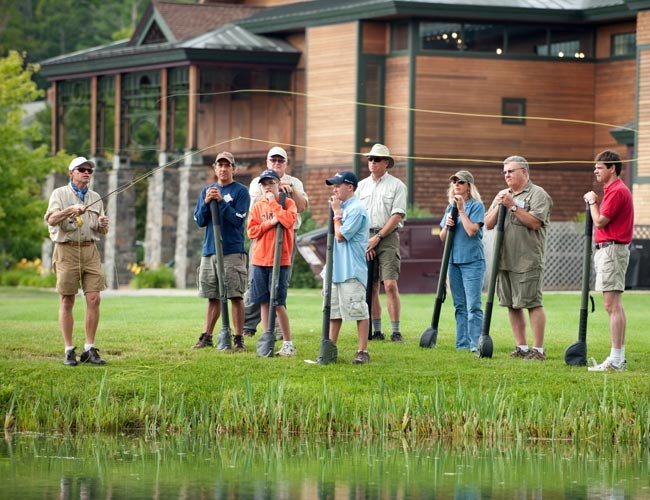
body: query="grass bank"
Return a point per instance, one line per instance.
(155, 383)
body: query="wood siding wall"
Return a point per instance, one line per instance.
(331, 83)
(396, 115)
(576, 91)
(615, 94)
(477, 86)
(265, 117)
(642, 189)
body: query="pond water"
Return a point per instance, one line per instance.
(88, 467)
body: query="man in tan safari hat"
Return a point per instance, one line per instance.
(384, 196)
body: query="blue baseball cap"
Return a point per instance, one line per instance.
(343, 177)
(269, 174)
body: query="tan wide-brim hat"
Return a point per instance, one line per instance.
(381, 151)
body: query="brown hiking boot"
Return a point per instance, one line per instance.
(361, 358)
(535, 355)
(519, 353)
(205, 340)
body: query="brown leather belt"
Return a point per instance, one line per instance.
(76, 243)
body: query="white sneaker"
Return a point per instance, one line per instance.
(286, 350)
(607, 366)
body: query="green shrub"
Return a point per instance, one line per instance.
(27, 277)
(11, 277)
(163, 277)
(301, 274)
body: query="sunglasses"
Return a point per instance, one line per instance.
(375, 159)
(277, 160)
(85, 170)
(511, 171)
(456, 181)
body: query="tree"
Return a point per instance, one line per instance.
(23, 168)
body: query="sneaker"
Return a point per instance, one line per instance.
(249, 332)
(519, 353)
(535, 355)
(396, 337)
(70, 358)
(361, 358)
(91, 356)
(205, 340)
(607, 366)
(238, 342)
(377, 336)
(286, 350)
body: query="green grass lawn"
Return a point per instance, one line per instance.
(154, 382)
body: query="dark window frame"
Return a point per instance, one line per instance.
(508, 118)
(613, 40)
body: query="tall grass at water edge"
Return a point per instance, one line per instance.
(155, 383)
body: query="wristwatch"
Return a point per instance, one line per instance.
(513, 208)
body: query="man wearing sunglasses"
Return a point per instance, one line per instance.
(521, 268)
(278, 161)
(384, 197)
(75, 219)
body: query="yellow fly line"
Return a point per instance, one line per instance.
(400, 108)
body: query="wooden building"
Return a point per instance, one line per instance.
(445, 84)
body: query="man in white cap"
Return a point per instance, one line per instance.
(75, 219)
(384, 196)
(278, 161)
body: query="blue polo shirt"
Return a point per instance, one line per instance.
(464, 248)
(234, 209)
(350, 254)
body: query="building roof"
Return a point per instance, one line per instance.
(311, 13)
(180, 21)
(233, 37)
(180, 40)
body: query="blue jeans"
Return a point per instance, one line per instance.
(466, 282)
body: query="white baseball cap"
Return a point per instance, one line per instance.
(78, 161)
(276, 151)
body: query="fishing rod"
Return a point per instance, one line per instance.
(133, 182)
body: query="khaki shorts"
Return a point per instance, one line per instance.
(388, 257)
(236, 276)
(520, 290)
(349, 301)
(74, 265)
(611, 264)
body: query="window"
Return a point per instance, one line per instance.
(513, 111)
(570, 48)
(623, 44)
(506, 39)
(441, 36)
(373, 115)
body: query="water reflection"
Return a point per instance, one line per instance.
(92, 467)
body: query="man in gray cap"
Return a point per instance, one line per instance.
(384, 196)
(75, 219)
